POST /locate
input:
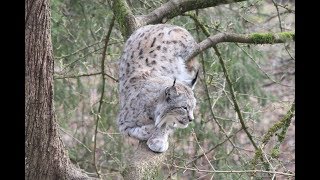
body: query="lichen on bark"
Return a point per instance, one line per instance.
(126, 20)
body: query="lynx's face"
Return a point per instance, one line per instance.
(176, 107)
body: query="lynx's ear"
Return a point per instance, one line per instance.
(174, 82)
(194, 80)
(171, 92)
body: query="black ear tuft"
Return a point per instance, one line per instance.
(194, 80)
(171, 92)
(174, 82)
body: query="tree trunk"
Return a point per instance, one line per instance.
(45, 157)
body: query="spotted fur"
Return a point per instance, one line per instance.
(156, 84)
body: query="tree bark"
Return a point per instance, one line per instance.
(174, 8)
(143, 163)
(126, 20)
(45, 156)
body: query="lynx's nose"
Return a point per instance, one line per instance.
(190, 116)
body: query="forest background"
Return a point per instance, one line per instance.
(244, 121)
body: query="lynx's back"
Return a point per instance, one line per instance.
(159, 50)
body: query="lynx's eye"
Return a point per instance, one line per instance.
(185, 108)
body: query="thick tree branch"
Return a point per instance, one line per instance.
(176, 7)
(143, 163)
(125, 18)
(254, 38)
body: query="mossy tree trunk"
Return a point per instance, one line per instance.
(45, 156)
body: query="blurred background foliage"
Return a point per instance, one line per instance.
(262, 76)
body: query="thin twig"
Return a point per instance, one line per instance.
(275, 16)
(89, 53)
(75, 139)
(233, 97)
(278, 13)
(102, 94)
(237, 108)
(267, 159)
(204, 154)
(76, 76)
(234, 171)
(207, 152)
(285, 7)
(75, 52)
(207, 90)
(280, 26)
(86, 75)
(259, 67)
(235, 104)
(87, 22)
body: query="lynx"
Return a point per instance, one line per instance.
(156, 84)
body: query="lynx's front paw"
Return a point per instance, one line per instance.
(158, 144)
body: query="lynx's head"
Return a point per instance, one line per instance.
(176, 106)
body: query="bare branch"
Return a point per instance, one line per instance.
(235, 171)
(259, 67)
(220, 37)
(204, 153)
(234, 99)
(85, 75)
(207, 152)
(102, 94)
(75, 139)
(75, 52)
(176, 7)
(254, 38)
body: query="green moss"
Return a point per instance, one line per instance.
(272, 131)
(275, 152)
(257, 155)
(286, 36)
(281, 137)
(262, 38)
(121, 10)
(151, 174)
(286, 123)
(283, 124)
